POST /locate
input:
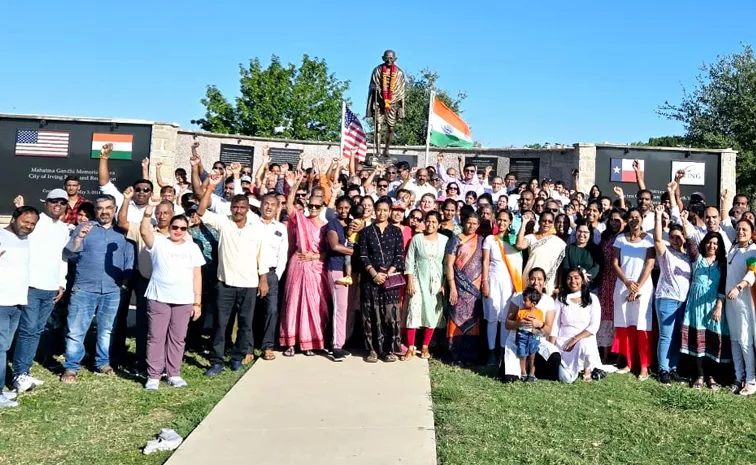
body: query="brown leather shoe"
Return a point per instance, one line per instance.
(268, 354)
(69, 377)
(248, 359)
(107, 370)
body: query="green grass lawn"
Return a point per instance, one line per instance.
(104, 420)
(479, 420)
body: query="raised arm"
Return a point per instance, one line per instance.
(103, 170)
(678, 198)
(724, 200)
(367, 183)
(123, 211)
(639, 175)
(522, 243)
(206, 200)
(659, 245)
(159, 176)
(146, 168)
(262, 169)
(441, 169)
(352, 164)
(197, 186)
(145, 227)
(620, 193)
(293, 179)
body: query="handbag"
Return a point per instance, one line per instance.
(394, 280)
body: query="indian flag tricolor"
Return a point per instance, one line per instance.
(447, 129)
(121, 145)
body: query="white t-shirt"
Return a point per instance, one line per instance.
(173, 264)
(14, 269)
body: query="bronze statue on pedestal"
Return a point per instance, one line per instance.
(386, 99)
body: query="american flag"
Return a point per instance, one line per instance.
(34, 143)
(353, 137)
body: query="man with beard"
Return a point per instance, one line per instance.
(163, 214)
(275, 238)
(242, 258)
(75, 199)
(46, 285)
(15, 273)
(104, 261)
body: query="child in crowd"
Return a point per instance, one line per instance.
(526, 340)
(356, 214)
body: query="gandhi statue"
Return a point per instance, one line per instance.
(386, 99)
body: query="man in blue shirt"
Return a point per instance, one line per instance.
(104, 262)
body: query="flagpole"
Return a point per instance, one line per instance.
(341, 132)
(427, 135)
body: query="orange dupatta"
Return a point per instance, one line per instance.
(513, 273)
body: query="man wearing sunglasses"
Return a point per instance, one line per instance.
(231, 186)
(381, 190)
(403, 168)
(242, 262)
(469, 181)
(142, 188)
(47, 282)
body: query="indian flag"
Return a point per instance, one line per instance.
(447, 129)
(121, 145)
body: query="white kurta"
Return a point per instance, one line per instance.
(572, 319)
(740, 313)
(496, 306)
(632, 260)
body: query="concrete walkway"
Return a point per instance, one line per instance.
(310, 410)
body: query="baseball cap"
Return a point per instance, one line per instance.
(398, 206)
(697, 197)
(57, 194)
(246, 178)
(254, 203)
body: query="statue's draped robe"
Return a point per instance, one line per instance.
(375, 95)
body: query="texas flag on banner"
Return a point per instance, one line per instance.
(622, 170)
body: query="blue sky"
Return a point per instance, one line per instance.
(556, 71)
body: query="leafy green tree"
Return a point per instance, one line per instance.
(279, 101)
(664, 141)
(720, 112)
(413, 129)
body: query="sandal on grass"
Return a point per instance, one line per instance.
(698, 385)
(713, 385)
(289, 352)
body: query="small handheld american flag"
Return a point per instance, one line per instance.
(353, 136)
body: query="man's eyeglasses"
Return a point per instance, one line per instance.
(58, 202)
(391, 172)
(313, 206)
(383, 186)
(469, 171)
(142, 189)
(178, 228)
(301, 194)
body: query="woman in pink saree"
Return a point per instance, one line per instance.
(305, 305)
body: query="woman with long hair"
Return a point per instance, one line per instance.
(582, 254)
(452, 191)
(633, 260)
(578, 315)
(337, 253)
(502, 278)
(705, 335)
(562, 227)
(607, 280)
(449, 226)
(592, 217)
(545, 249)
(464, 272)
(671, 293)
(739, 308)
(305, 306)
(382, 257)
(425, 272)
(594, 194)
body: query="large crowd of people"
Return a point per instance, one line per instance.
(529, 275)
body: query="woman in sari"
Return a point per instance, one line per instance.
(545, 249)
(425, 271)
(305, 305)
(464, 271)
(578, 315)
(382, 255)
(607, 279)
(502, 277)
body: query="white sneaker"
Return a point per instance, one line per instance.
(177, 382)
(152, 384)
(748, 390)
(7, 403)
(35, 381)
(9, 395)
(23, 383)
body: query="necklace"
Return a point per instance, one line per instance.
(387, 85)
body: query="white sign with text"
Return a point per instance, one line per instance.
(695, 172)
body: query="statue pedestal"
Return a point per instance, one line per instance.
(371, 159)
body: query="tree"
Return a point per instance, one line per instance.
(413, 129)
(279, 101)
(720, 112)
(664, 141)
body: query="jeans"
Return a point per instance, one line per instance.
(9, 316)
(271, 312)
(243, 299)
(33, 321)
(527, 343)
(120, 329)
(84, 306)
(669, 314)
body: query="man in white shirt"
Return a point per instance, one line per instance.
(497, 189)
(14, 275)
(276, 241)
(421, 186)
(46, 286)
(401, 182)
(242, 259)
(232, 186)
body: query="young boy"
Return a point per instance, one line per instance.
(526, 340)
